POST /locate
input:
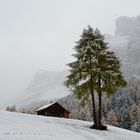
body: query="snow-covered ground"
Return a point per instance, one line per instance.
(16, 126)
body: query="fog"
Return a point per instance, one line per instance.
(40, 34)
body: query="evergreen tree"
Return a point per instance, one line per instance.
(112, 119)
(108, 75)
(138, 112)
(133, 114)
(82, 72)
(95, 69)
(11, 108)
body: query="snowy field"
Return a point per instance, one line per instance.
(16, 126)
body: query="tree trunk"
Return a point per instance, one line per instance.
(93, 99)
(100, 104)
(93, 104)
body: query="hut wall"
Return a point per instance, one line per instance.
(66, 114)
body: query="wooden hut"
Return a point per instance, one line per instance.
(54, 110)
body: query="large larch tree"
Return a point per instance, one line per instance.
(95, 69)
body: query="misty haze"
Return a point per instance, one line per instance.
(45, 48)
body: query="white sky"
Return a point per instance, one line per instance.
(40, 34)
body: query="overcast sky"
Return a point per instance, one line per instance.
(40, 34)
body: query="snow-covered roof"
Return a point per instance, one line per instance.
(45, 106)
(48, 105)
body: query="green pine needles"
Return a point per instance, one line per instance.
(96, 69)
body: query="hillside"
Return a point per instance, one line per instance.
(31, 127)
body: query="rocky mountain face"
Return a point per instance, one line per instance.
(46, 86)
(127, 26)
(126, 44)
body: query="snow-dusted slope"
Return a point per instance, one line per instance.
(46, 86)
(16, 126)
